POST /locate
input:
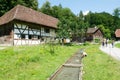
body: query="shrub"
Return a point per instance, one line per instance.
(97, 40)
(86, 43)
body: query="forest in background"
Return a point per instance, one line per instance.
(70, 24)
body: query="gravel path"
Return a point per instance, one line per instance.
(113, 51)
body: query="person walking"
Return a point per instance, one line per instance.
(103, 43)
(106, 42)
(112, 43)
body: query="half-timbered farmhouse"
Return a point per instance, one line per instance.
(22, 25)
(94, 33)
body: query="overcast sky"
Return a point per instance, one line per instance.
(86, 5)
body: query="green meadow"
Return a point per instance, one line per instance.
(40, 62)
(33, 62)
(117, 45)
(100, 66)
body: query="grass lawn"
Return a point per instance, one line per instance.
(33, 62)
(117, 45)
(100, 66)
(39, 62)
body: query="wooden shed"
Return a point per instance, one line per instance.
(94, 33)
(22, 25)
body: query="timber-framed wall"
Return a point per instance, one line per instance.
(25, 34)
(32, 34)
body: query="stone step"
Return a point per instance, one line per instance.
(72, 65)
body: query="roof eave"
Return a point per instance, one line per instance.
(54, 27)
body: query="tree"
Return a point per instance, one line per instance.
(72, 25)
(66, 18)
(6, 5)
(106, 31)
(116, 12)
(63, 14)
(116, 18)
(83, 25)
(103, 18)
(46, 8)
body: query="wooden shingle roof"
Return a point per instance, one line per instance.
(117, 33)
(92, 30)
(22, 13)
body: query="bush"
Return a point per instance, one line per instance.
(97, 40)
(86, 43)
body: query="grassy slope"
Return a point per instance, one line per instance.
(36, 63)
(100, 66)
(32, 62)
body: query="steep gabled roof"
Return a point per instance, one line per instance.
(117, 33)
(28, 15)
(92, 30)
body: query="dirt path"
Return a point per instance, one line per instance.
(71, 70)
(113, 51)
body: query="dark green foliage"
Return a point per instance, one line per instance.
(106, 31)
(46, 8)
(109, 22)
(97, 40)
(117, 12)
(86, 43)
(6, 5)
(72, 26)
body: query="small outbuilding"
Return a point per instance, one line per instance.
(94, 33)
(22, 25)
(117, 34)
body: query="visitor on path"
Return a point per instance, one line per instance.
(103, 43)
(112, 43)
(106, 42)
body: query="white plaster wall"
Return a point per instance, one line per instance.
(26, 42)
(52, 33)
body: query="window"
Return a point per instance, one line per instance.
(47, 30)
(30, 36)
(22, 36)
(38, 37)
(35, 37)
